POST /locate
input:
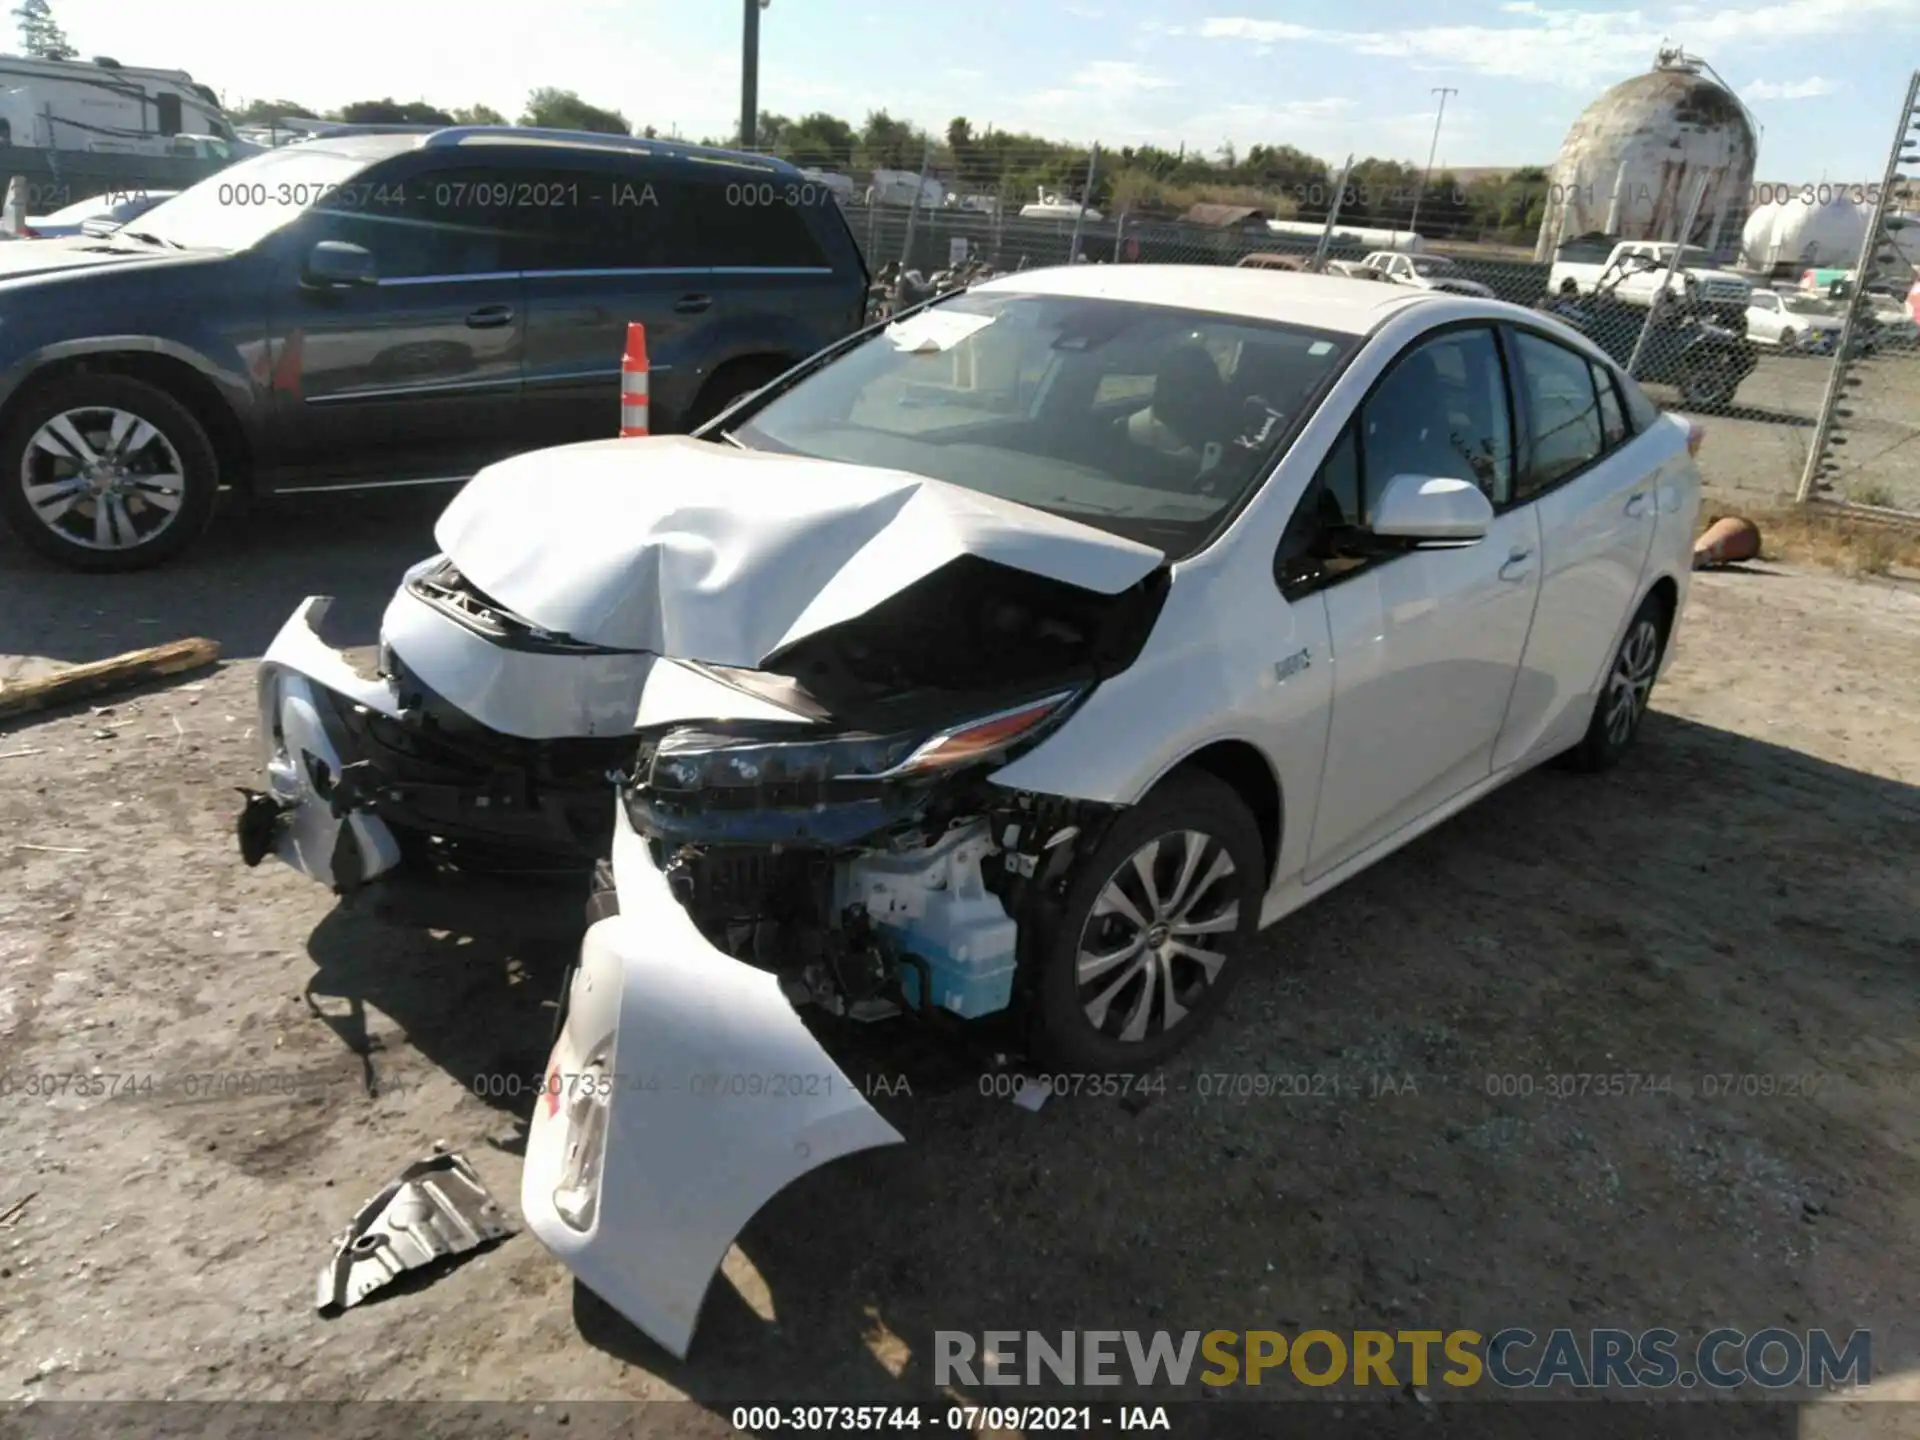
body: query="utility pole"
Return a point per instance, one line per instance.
(750, 73)
(1443, 91)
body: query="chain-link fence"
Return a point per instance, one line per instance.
(1751, 347)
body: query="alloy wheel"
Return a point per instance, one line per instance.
(1631, 683)
(102, 478)
(1154, 940)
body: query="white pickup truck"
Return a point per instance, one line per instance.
(1424, 272)
(1645, 263)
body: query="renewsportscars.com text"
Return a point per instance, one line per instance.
(1508, 1359)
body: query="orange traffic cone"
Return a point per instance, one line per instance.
(633, 382)
(1727, 541)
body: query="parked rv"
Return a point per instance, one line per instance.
(101, 105)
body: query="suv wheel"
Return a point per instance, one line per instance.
(104, 472)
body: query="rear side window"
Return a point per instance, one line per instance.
(752, 221)
(665, 219)
(586, 218)
(1613, 419)
(1642, 413)
(1563, 412)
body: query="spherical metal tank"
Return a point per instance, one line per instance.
(1801, 233)
(1630, 162)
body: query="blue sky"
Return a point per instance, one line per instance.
(1824, 77)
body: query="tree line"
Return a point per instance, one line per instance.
(1282, 180)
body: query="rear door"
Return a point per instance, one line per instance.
(620, 245)
(418, 375)
(1595, 496)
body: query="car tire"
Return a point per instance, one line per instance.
(1191, 828)
(729, 383)
(1622, 702)
(129, 526)
(1786, 339)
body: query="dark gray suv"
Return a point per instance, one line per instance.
(394, 309)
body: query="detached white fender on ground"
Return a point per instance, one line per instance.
(683, 1093)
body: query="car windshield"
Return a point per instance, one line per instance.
(244, 203)
(1434, 265)
(1144, 421)
(1809, 305)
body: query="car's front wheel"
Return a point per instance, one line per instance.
(105, 472)
(1622, 702)
(1152, 935)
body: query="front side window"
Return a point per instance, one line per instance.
(436, 223)
(1145, 421)
(1441, 412)
(1563, 411)
(244, 203)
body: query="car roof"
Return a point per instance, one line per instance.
(383, 145)
(1320, 302)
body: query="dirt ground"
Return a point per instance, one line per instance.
(1740, 899)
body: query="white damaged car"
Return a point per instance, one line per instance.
(1019, 659)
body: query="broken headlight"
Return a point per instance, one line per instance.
(693, 759)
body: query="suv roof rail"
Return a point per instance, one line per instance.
(447, 136)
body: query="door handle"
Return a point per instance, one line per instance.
(488, 317)
(1637, 505)
(1519, 565)
(691, 304)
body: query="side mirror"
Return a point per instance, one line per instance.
(1426, 509)
(336, 265)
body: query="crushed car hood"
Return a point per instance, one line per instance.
(706, 552)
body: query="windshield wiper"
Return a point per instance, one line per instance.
(149, 237)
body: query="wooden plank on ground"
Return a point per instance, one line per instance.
(101, 677)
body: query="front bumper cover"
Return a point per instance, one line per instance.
(298, 817)
(716, 1097)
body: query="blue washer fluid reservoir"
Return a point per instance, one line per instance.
(932, 903)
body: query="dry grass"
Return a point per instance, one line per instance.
(1136, 190)
(1835, 540)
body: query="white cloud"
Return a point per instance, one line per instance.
(1101, 84)
(1788, 89)
(1262, 32)
(1573, 48)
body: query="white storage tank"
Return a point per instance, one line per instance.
(1630, 162)
(1796, 233)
